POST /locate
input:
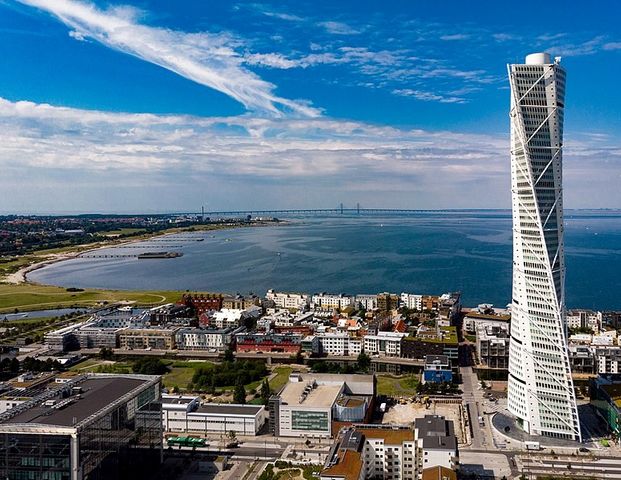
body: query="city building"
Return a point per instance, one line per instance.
(608, 360)
(432, 341)
(62, 339)
(309, 403)
(186, 414)
(582, 359)
(540, 388)
(366, 302)
(213, 339)
(95, 426)
(384, 343)
(338, 343)
(294, 301)
(393, 452)
(387, 301)
(449, 305)
(484, 314)
(586, 319)
(411, 301)
(437, 369)
(233, 317)
(330, 302)
(493, 345)
(202, 303)
(268, 343)
(606, 398)
(435, 437)
(147, 338)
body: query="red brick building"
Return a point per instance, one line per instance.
(267, 343)
(202, 302)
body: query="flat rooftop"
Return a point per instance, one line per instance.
(228, 409)
(322, 396)
(97, 393)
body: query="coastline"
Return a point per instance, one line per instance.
(20, 277)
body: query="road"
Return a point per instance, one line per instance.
(474, 401)
(604, 468)
(248, 355)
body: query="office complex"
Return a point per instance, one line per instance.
(540, 390)
(95, 427)
(309, 404)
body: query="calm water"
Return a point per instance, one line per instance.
(423, 253)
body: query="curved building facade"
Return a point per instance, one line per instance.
(540, 390)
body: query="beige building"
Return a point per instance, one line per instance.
(143, 338)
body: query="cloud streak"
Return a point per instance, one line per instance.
(205, 58)
(325, 158)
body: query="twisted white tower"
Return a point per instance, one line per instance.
(540, 391)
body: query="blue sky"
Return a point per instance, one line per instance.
(164, 106)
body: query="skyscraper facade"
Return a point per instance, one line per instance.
(540, 390)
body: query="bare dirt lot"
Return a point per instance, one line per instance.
(406, 414)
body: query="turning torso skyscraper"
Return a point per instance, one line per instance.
(540, 391)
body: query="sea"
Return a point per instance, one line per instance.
(423, 253)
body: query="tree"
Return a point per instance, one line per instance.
(265, 392)
(364, 362)
(299, 358)
(239, 395)
(229, 356)
(150, 366)
(106, 353)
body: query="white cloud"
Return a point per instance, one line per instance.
(284, 16)
(612, 46)
(206, 58)
(273, 60)
(338, 28)
(286, 160)
(455, 36)
(504, 37)
(428, 96)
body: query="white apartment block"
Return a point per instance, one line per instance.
(584, 319)
(389, 455)
(393, 452)
(368, 302)
(330, 302)
(205, 339)
(232, 317)
(411, 301)
(384, 343)
(340, 344)
(298, 301)
(608, 360)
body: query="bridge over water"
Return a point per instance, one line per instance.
(331, 211)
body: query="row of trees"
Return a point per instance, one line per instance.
(209, 377)
(363, 362)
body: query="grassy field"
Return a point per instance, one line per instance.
(396, 386)
(27, 296)
(281, 378)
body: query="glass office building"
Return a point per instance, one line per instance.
(94, 427)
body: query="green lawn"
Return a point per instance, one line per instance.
(281, 378)
(395, 386)
(181, 373)
(27, 296)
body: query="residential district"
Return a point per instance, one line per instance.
(331, 386)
